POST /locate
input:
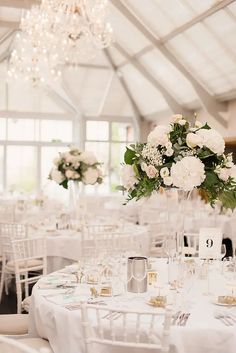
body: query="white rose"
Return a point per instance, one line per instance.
(168, 145)
(212, 140)
(151, 171)
(128, 177)
(176, 118)
(57, 176)
(88, 158)
(90, 176)
(164, 172)
(188, 173)
(198, 124)
(143, 166)
(168, 181)
(169, 152)
(69, 174)
(224, 174)
(159, 136)
(75, 175)
(182, 122)
(194, 140)
(57, 161)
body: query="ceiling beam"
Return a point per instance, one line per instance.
(215, 8)
(213, 107)
(26, 4)
(172, 103)
(137, 118)
(105, 117)
(13, 114)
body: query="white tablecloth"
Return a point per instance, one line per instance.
(65, 245)
(203, 332)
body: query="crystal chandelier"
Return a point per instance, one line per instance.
(60, 32)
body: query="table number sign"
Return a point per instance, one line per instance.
(210, 240)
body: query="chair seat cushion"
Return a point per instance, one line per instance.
(24, 264)
(26, 304)
(14, 324)
(34, 343)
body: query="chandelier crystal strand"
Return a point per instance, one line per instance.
(59, 32)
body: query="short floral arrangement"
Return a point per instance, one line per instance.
(183, 156)
(77, 166)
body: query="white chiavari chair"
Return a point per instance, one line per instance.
(108, 242)
(29, 257)
(9, 232)
(7, 212)
(26, 345)
(125, 329)
(158, 233)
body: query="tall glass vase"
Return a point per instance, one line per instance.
(73, 189)
(176, 219)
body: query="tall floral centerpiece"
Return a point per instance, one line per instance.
(74, 167)
(182, 156)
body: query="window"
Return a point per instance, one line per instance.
(21, 168)
(59, 130)
(22, 130)
(111, 153)
(27, 150)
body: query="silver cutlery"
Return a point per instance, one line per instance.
(180, 319)
(185, 319)
(223, 319)
(112, 315)
(175, 317)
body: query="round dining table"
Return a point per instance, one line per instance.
(64, 246)
(210, 327)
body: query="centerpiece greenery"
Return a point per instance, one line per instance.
(183, 156)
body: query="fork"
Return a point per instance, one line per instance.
(185, 319)
(175, 317)
(223, 319)
(111, 315)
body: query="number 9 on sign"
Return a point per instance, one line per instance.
(209, 243)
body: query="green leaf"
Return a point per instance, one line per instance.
(129, 156)
(228, 199)
(206, 127)
(64, 184)
(211, 180)
(120, 188)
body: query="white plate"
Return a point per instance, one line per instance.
(223, 304)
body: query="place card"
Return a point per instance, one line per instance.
(210, 240)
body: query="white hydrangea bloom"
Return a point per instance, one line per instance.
(188, 173)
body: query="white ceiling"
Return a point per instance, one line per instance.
(168, 55)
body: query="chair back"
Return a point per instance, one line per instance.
(147, 330)
(29, 255)
(9, 232)
(107, 239)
